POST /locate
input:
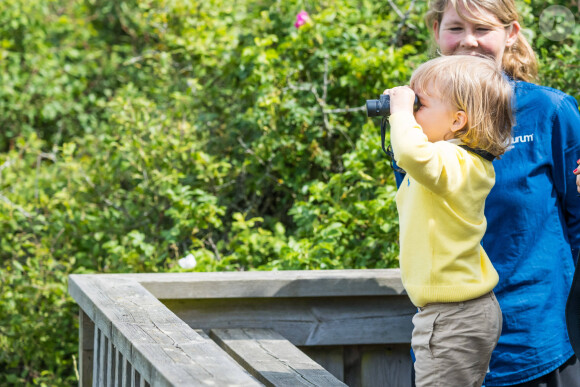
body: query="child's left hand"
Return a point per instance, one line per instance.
(402, 99)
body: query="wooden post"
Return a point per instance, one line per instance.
(86, 346)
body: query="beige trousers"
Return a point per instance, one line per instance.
(452, 342)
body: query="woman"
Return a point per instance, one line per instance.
(533, 211)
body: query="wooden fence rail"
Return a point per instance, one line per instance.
(335, 327)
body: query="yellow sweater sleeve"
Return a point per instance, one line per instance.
(431, 164)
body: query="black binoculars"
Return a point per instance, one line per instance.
(382, 106)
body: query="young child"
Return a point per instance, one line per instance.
(446, 148)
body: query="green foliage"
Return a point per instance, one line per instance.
(559, 67)
(137, 132)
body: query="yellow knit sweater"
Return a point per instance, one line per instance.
(441, 219)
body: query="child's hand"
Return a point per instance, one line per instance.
(402, 99)
(577, 173)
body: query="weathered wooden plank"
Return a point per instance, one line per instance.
(119, 362)
(352, 365)
(329, 357)
(307, 321)
(86, 347)
(127, 374)
(202, 333)
(160, 347)
(386, 366)
(102, 359)
(110, 363)
(272, 359)
(96, 355)
(287, 283)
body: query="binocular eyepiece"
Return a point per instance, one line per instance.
(382, 106)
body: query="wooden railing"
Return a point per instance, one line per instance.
(285, 328)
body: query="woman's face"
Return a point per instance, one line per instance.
(455, 35)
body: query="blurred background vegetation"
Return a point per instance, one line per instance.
(137, 132)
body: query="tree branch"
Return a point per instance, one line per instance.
(322, 102)
(346, 110)
(396, 39)
(397, 10)
(16, 206)
(218, 257)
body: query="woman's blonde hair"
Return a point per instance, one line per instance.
(477, 86)
(519, 60)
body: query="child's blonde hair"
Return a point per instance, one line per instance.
(519, 60)
(477, 86)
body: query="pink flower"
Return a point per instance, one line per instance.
(301, 19)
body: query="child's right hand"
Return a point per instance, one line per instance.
(402, 99)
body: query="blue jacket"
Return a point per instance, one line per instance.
(533, 215)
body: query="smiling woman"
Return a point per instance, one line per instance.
(488, 28)
(488, 36)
